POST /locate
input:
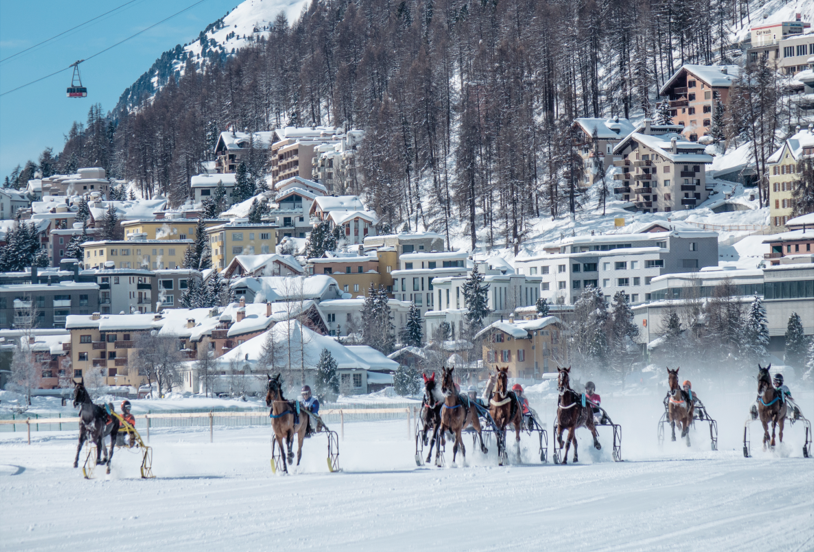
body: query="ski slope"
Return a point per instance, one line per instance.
(223, 496)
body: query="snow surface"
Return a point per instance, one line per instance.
(222, 495)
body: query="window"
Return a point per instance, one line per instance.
(647, 280)
(561, 268)
(693, 246)
(416, 284)
(357, 380)
(691, 110)
(561, 285)
(83, 356)
(801, 49)
(408, 266)
(589, 267)
(237, 250)
(533, 271)
(707, 109)
(169, 300)
(590, 283)
(654, 263)
(637, 281)
(689, 263)
(635, 298)
(237, 236)
(347, 270)
(165, 284)
(620, 265)
(705, 122)
(206, 192)
(359, 269)
(575, 284)
(505, 355)
(356, 287)
(606, 282)
(622, 282)
(264, 235)
(575, 267)
(661, 244)
(84, 339)
(605, 266)
(707, 96)
(182, 284)
(543, 270)
(788, 51)
(407, 249)
(521, 355)
(345, 288)
(111, 338)
(666, 182)
(545, 286)
(251, 236)
(113, 252)
(125, 252)
(490, 356)
(691, 84)
(171, 252)
(634, 265)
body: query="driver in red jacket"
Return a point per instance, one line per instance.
(590, 394)
(518, 390)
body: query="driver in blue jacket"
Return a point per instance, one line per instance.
(311, 403)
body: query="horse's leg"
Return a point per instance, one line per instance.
(774, 428)
(301, 436)
(432, 440)
(766, 436)
(574, 438)
(100, 444)
(559, 437)
(441, 441)
(280, 444)
(479, 430)
(673, 427)
(113, 435)
(82, 437)
(594, 433)
(459, 440)
(568, 445)
(781, 423)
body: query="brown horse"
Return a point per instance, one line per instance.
(457, 414)
(283, 416)
(770, 405)
(431, 411)
(571, 414)
(505, 409)
(680, 408)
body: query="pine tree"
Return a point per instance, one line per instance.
(476, 299)
(219, 200)
(590, 327)
(322, 239)
(623, 331)
(796, 344)
(83, 211)
(663, 115)
(810, 362)
(41, 258)
(413, 331)
(326, 386)
(542, 307)
(196, 254)
(717, 128)
(756, 332)
(406, 381)
(672, 337)
(804, 188)
(111, 229)
(378, 330)
(244, 188)
(74, 249)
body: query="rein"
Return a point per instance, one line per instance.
(445, 405)
(764, 403)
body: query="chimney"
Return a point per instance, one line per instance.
(724, 69)
(94, 316)
(268, 309)
(242, 302)
(673, 144)
(190, 322)
(32, 339)
(241, 313)
(34, 279)
(159, 215)
(647, 126)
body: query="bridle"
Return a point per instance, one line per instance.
(501, 383)
(563, 387)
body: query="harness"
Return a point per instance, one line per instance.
(777, 398)
(572, 405)
(288, 411)
(493, 402)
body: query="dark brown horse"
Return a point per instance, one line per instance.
(505, 409)
(680, 408)
(431, 411)
(284, 422)
(571, 414)
(457, 414)
(94, 424)
(770, 406)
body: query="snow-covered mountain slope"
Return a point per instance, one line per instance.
(243, 26)
(774, 11)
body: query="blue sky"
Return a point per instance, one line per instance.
(40, 115)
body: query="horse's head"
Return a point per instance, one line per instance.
(80, 394)
(672, 378)
(274, 390)
(429, 386)
(447, 383)
(764, 378)
(502, 382)
(563, 378)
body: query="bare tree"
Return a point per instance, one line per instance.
(158, 358)
(205, 367)
(25, 370)
(65, 373)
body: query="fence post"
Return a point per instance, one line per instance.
(28, 424)
(342, 424)
(211, 417)
(60, 415)
(13, 426)
(408, 422)
(148, 426)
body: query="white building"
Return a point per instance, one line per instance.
(344, 316)
(413, 280)
(10, 202)
(204, 186)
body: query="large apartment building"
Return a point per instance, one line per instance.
(693, 93)
(292, 154)
(236, 147)
(413, 280)
(355, 273)
(784, 173)
(161, 228)
(45, 305)
(619, 262)
(663, 172)
(135, 253)
(600, 135)
(239, 238)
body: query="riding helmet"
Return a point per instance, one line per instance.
(590, 387)
(778, 379)
(687, 384)
(517, 388)
(125, 405)
(306, 389)
(471, 389)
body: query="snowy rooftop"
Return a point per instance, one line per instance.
(341, 217)
(519, 329)
(794, 235)
(434, 256)
(686, 151)
(241, 140)
(338, 203)
(280, 288)
(713, 75)
(128, 210)
(606, 129)
(801, 221)
(373, 358)
(300, 182)
(212, 180)
(251, 263)
(794, 145)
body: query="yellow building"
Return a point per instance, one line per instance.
(229, 240)
(355, 273)
(529, 348)
(166, 229)
(784, 172)
(149, 254)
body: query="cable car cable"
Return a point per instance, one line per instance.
(106, 49)
(64, 32)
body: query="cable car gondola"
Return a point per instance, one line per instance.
(76, 90)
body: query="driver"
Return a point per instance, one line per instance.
(785, 394)
(130, 419)
(311, 404)
(473, 396)
(596, 401)
(518, 390)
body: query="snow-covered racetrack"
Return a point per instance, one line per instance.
(223, 496)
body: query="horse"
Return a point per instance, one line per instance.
(94, 423)
(770, 405)
(571, 414)
(505, 409)
(680, 408)
(283, 421)
(431, 410)
(457, 414)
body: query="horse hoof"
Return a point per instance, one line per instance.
(673, 439)
(484, 450)
(598, 446)
(76, 464)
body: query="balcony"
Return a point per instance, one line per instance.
(188, 354)
(104, 301)
(62, 302)
(99, 362)
(104, 286)
(772, 255)
(622, 176)
(679, 103)
(645, 190)
(121, 362)
(643, 163)
(144, 286)
(220, 334)
(642, 204)
(123, 345)
(687, 188)
(687, 174)
(99, 345)
(621, 163)
(647, 176)
(66, 346)
(622, 190)
(689, 201)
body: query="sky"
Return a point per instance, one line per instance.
(40, 115)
